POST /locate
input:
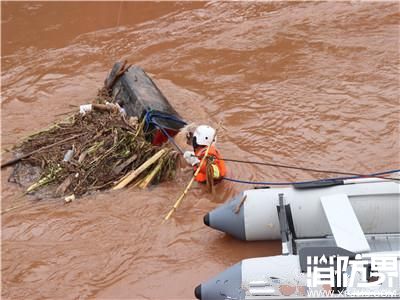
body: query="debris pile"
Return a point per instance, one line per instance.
(97, 149)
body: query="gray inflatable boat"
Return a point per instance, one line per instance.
(357, 220)
(254, 214)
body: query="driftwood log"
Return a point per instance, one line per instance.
(137, 94)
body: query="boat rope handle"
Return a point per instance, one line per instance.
(313, 181)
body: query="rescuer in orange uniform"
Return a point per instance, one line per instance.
(204, 136)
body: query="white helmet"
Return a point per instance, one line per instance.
(203, 135)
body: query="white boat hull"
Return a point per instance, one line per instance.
(376, 204)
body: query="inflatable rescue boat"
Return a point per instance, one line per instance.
(255, 214)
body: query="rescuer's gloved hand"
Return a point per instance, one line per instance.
(191, 158)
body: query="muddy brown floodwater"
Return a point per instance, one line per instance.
(313, 84)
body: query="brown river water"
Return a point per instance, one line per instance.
(313, 84)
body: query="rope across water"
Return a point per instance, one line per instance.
(150, 119)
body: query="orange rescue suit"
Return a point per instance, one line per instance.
(217, 162)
